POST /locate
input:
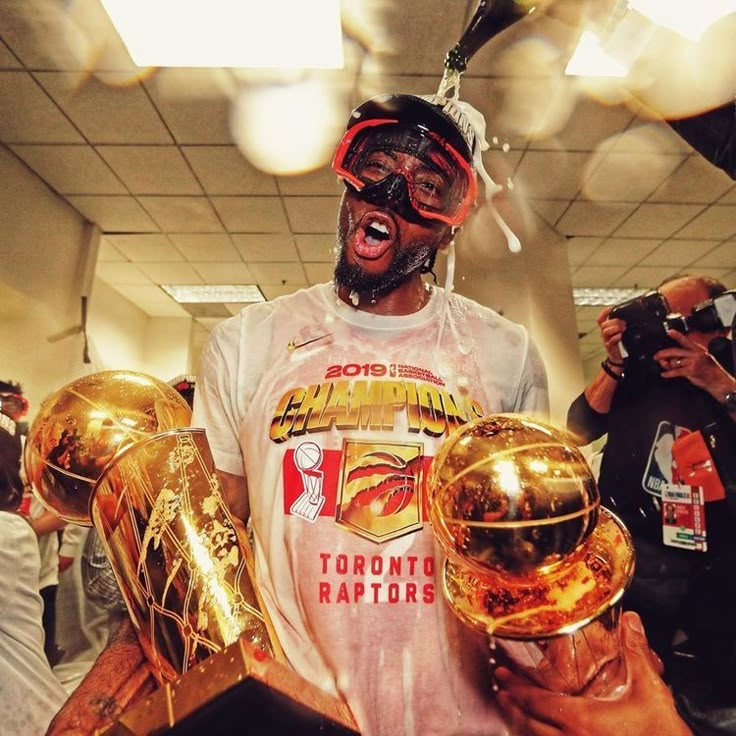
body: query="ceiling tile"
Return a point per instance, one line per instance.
(621, 251)
(718, 221)
(321, 181)
(677, 252)
(312, 214)
(200, 247)
(114, 214)
(696, 180)
(278, 273)
(590, 126)
(108, 252)
(647, 136)
(151, 169)
(646, 277)
(315, 248)
(171, 273)
(148, 247)
(266, 247)
(193, 105)
(723, 256)
(118, 274)
(729, 197)
(71, 169)
(252, 214)
(7, 60)
(182, 214)
(597, 277)
(658, 220)
(550, 210)
(50, 35)
(729, 279)
(106, 113)
(224, 170)
(318, 273)
(224, 273)
(592, 218)
(32, 117)
(579, 249)
(150, 294)
(627, 177)
(543, 174)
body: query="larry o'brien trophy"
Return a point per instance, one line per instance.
(532, 559)
(114, 450)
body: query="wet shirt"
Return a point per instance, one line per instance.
(334, 415)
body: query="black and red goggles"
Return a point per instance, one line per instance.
(441, 184)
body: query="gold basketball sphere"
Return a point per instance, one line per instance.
(80, 427)
(510, 494)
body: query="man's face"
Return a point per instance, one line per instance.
(13, 406)
(378, 248)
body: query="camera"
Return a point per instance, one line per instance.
(647, 320)
(714, 314)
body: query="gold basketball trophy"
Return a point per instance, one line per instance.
(532, 559)
(114, 450)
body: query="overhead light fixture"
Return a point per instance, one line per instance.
(214, 293)
(690, 20)
(609, 48)
(230, 33)
(603, 297)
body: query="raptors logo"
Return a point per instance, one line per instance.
(380, 494)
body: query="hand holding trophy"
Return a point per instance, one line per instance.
(532, 559)
(114, 450)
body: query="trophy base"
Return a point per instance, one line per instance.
(238, 690)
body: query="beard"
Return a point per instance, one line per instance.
(405, 261)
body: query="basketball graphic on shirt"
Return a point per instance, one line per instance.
(308, 456)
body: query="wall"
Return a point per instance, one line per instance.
(43, 250)
(531, 287)
(48, 254)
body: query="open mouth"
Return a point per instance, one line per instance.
(376, 233)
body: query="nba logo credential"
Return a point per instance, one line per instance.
(308, 458)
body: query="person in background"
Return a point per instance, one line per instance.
(669, 418)
(30, 694)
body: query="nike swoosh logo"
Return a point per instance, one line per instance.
(292, 346)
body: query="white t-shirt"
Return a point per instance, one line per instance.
(334, 415)
(30, 695)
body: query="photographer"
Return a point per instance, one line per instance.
(665, 398)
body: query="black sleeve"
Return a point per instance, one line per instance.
(712, 134)
(585, 422)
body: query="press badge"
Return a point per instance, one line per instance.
(683, 517)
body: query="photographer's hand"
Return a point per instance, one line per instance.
(692, 361)
(612, 331)
(599, 392)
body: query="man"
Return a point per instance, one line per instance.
(332, 402)
(670, 431)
